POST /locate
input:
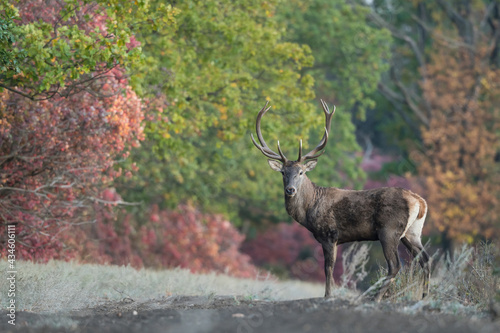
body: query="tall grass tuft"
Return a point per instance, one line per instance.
(464, 279)
(354, 260)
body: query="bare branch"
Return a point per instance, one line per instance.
(397, 101)
(447, 41)
(464, 26)
(409, 101)
(377, 19)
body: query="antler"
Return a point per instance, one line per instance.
(263, 146)
(322, 144)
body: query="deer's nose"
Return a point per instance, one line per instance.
(290, 190)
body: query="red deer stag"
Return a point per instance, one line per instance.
(336, 216)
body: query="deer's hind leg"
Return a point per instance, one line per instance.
(390, 242)
(414, 245)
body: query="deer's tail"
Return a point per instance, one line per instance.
(422, 210)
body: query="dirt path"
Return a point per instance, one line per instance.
(230, 314)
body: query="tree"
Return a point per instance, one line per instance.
(209, 78)
(59, 48)
(460, 144)
(443, 85)
(349, 54)
(55, 158)
(67, 113)
(205, 82)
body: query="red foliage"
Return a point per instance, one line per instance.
(50, 11)
(54, 157)
(183, 238)
(106, 241)
(291, 246)
(191, 239)
(57, 155)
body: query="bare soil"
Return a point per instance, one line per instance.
(233, 314)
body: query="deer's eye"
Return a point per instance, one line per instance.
(301, 173)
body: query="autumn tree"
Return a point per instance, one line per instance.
(460, 143)
(183, 237)
(57, 155)
(67, 114)
(443, 86)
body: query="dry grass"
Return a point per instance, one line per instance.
(464, 282)
(62, 286)
(354, 260)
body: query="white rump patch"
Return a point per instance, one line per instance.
(412, 218)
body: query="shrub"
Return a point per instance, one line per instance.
(185, 238)
(56, 156)
(190, 239)
(290, 250)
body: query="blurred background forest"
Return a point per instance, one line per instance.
(125, 126)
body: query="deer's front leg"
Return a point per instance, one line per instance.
(330, 254)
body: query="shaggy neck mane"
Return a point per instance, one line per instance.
(298, 205)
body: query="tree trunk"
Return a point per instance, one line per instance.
(449, 244)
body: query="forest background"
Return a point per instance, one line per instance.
(125, 126)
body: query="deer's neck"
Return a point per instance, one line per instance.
(298, 205)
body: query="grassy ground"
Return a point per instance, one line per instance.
(63, 286)
(462, 284)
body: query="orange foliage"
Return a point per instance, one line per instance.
(460, 143)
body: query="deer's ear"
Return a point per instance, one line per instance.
(275, 165)
(310, 165)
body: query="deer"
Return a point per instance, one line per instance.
(336, 216)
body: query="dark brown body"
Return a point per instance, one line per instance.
(347, 215)
(336, 216)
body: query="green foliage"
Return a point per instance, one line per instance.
(58, 48)
(216, 70)
(349, 54)
(8, 60)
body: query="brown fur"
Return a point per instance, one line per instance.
(336, 216)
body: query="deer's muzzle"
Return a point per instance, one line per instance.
(290, 191)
